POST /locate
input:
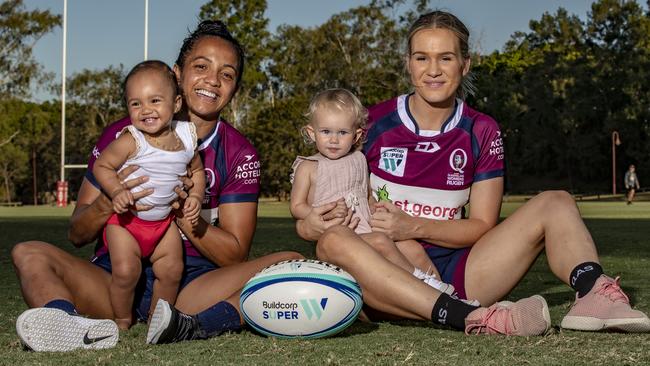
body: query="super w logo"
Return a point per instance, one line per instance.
(313, 308)
(392, 160)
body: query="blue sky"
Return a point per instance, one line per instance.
(111, 32)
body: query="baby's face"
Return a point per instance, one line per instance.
(151, 101)
(333, 131)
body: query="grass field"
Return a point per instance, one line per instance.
(622, 234)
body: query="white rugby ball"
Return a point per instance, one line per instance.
(301, 298)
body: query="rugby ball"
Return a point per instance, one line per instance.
(301, 299)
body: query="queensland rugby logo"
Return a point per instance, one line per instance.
(457, 162)
(393, 160)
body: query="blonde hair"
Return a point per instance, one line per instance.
(444, 20)
(341, 99)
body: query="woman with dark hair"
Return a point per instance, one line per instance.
(58, 286)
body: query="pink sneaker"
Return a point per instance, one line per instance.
(605, 307)
(526, 317)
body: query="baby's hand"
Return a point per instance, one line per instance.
(192, 209)
(341, 209)
(122, 199)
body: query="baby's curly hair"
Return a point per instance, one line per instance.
(341, 99)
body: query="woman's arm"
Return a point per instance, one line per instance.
(93, 208)
(323, 217)
(485, 205)
(228, 243)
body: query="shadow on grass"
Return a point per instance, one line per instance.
(356, 328)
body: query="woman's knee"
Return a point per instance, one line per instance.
(332, 243)
(30, 255)
(287, 255)
(553, 202)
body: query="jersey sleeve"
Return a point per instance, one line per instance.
(490, 163)
(243, 180)
(109, 134)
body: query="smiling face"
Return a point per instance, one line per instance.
(151, 101)
(436, 66)
(208, 78)
(333, 131)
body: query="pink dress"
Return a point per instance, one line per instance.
(346, 177)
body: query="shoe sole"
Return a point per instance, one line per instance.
(545, 313)
(591, 324)
(159, 321)
(54, 330)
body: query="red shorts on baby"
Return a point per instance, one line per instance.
(146, 233)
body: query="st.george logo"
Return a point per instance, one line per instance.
(382, 194)
(313, 308)
(393, 160)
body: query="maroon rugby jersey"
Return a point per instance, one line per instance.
(429, 173)
(232, 169)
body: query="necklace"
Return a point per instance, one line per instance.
(168, 142)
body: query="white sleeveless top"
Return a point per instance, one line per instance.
(162, 167)
(345, 177)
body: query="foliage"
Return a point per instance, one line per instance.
(558, 90)
(19, 30)
(248, 24)
(27, 129)
(276, 135)
(561, 89)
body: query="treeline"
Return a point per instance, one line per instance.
(558, 91)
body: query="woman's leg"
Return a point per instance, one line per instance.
(386, 287)
(48, 273)
(390, 290)
(209, 304)
(551, 221)
(225, 283)
(501, 258)
(56, 285)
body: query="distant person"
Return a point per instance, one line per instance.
(58, 286)
(631, 183)
(162, 149)
(433, 154)
(339, 171)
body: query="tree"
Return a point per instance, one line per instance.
(562, 88)
(276, 136)
(95, 100)
(363, 52)
(247, 23)
(36, 123)
(13, 157)
(19, 31)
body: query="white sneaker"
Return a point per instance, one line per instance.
(54, 330)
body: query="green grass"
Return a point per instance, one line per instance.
(621, 233)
